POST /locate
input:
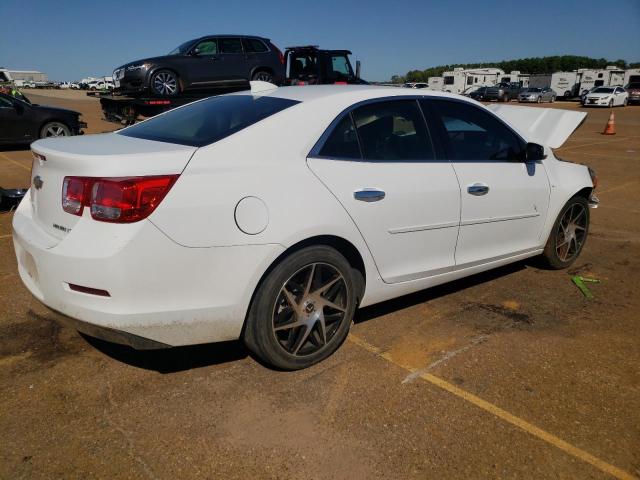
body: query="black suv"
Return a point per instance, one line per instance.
(205, 63)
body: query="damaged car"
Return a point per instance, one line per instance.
(271, 215)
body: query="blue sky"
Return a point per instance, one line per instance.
(73, 39)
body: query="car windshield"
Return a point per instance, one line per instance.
(603, 90)
(533, 90)
(182, 49)
(634, 85)
(207, 121)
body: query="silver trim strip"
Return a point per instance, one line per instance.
(420, 228)
(499, 219)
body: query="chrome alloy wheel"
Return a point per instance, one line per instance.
(165, 83)
(55, 130)
(571, 233)
(309, 309)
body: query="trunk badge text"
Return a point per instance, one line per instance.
(38, 182)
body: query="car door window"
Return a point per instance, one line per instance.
(230, 45)
(472, 134)
(207, 47)
(392, 130)
(343, 141)
(5, 103)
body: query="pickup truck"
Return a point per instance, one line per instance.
(503, 92)
(305, 65)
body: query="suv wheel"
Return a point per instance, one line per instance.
(303, 309)
(262, 76)
(165, 83)
(55, 129)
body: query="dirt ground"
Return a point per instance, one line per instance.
(508, 374)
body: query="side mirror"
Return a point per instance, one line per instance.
(195, 52)
(534, 152)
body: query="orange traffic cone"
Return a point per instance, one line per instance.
(610, 129)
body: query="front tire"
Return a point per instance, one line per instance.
(302, 311)
(55, 129)
(165, 83)
(568, 235)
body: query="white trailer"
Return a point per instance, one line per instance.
(461, 80)
(607, 77)
(565, 84)
(516, 76)
(632, 75)
(436, 83)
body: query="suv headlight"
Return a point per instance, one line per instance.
(139, 66)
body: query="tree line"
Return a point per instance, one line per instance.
(533, 65)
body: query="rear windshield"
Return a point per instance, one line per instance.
(208, 121)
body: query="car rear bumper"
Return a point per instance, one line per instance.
(159, 293)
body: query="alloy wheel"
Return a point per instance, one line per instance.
(571, 233)
(165, 83)
(263, 77)
(55, 130)
(309, 309)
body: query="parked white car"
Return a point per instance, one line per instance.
(100, 85)
(271, 215)
(606, 97)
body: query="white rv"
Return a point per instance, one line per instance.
(461, 80)
(516, 77)
(632, 76)
(608, 77)
(565, 84)
(436, 83)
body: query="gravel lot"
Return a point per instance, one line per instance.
(510, 374)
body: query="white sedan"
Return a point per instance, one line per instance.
(271, 215)
(606, 97)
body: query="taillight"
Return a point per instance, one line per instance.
(118, 200)
(74, 194)
(280, 55)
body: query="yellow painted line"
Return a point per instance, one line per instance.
(502, 414)
(16, 163)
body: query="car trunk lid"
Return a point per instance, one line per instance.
(106, 156)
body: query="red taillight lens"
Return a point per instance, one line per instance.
(280, 55)
(118, 200)
(75, 192)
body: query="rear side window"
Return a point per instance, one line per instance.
(208, 121)
(230, 45)
(393, 130)
(253, 45)
(343, 141)
(473, 134)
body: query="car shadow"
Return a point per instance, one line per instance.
(9, 147)
(172, 360)
(177, 359)
(384, 308)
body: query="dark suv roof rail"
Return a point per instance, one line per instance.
(314, 47)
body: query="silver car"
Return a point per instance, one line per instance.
(537, 95)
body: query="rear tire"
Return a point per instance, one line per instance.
(302, 311)
(165, 83)
(262, 76)
(55, 129)
(568, 235)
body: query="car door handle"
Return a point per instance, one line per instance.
(369, 195)
(478, 189)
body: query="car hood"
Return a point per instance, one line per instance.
(598, 95)
(546, 126)
(158, 59)
(528, 94)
